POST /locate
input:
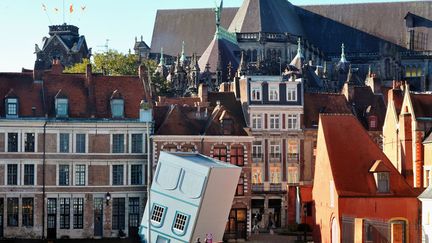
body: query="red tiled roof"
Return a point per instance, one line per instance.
(422, 104)
(351, 159)
(316, 103)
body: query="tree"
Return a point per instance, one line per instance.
(112, 63)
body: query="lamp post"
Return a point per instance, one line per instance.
(107, 198)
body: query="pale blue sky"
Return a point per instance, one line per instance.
(23, 23)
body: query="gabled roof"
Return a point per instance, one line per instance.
(275, 16)
(365, 104)
(322, 103)
(427, 194)
(422, 104)
(196, 27)
(351, 159)
(379, 166)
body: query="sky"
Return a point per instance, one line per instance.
(23, 23)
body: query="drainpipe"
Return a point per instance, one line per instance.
(43, 179)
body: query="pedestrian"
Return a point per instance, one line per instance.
(255, 224)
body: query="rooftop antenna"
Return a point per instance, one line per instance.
(64, 12)
(44, 8)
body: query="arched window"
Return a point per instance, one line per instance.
(220, 152)
(237, 155)
(188, 148)
(170, 148)
(240, 186)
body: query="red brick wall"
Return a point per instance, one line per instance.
(2, 142)
(50, 140)
(99, 143)
(99, 175)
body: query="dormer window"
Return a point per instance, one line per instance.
(11, 105)
(61, 105)
(274, 93)
(372, 122)
(382, 180)
(117, 108)
(256, 92)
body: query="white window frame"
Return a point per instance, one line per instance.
(34, 173)
(85, 174)
(292, 117)
(276, 121)
(291, 93)
(259, 148)
(124, 142)
(125, 174)
(143, 168)
(19, 142)
(18, 174)
(257, 121)
(256, 88)
(69, 176)
(70, 141)
(143, 142)
(75, 140)
(273, 92)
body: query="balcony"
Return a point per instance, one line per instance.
(258, 156)
(275, 155)
(258, 187)
(275, 187)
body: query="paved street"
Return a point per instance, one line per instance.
(267, 238)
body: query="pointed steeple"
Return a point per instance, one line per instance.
(298, 60)
(343, 57)
(242, 66)
(218, 15)
(299, 50)
(162, 59)
(183, 56)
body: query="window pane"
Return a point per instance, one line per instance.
(157, 214)
(136, 174)
(29, 142)
(64, 142)
(12, 142)
(80, 143)
(28, 174)
(118, 143)
(62, 107)
(117, 175)
(137, 143)
(64, 213)
(80, 175)
(12, 212)
(118, 215)
(12, 107)
(134, 212)
(78, 216)
(63, 175)
(180, 222)
(117, 108)
(12, 174)
(27, 212)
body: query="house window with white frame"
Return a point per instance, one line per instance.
(61, 105)
(12, 174)
(274, 149)
(180, 222)
(64, 143)
(80, 175)
(293, 149)
(274, 121)
(29, 142)
(257, 149)
(273, 92)
(11, 108)
(80, 143)
(292, 121)
(256, 93)
(136, 175)
(157, 214)
(13, 142)
(256, 121)
(63, 175)
(291, 93)
(137, 143)
(383, 182)
(29, 174)
(118, 143)
(117, 175)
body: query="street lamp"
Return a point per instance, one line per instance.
(107, 198)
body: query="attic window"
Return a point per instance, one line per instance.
(382, 182)
(117, 108)
(372, 122)
(61, 105)
(11, 107)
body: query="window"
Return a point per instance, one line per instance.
(291, 94)
(29, 175)
(372, 122)
(256, 93)
(12, 142)
(188, 148)
(170, 148)
(274, 150)
(180, 221)
(275, 177)
(257, 149)
(134, 212)
(117, 108)
(64, 175)
(137, 143)
(64, 143)
(256, 121)
(293, 150)
(240, 187)
(118, 143)
(136, 175)
(61, 105)
(273, 93)
(383, 182)
(292, 121)
(64, 213)
(29, 142)
(274, 121)
(27, 212)
(78, 213)
(117, 175)
(118, 214)
(80, 175)
(293, 177)
(11, 107)
(12, 174)
(157, 215)
(237, 155)
(220, 153)
(12, 212)
(80, 143)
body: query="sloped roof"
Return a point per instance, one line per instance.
(422, 104)
(275, 16)
(196, 27)
(427, 194)
(365, 103)
(397, 96)
(318, 103)
(428, 139)
(351, 159)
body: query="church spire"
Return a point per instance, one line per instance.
(343, 57)
(218, 15)
(299, 50)
(183, 56)
(162, 59)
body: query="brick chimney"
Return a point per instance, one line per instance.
(57, 67)
(203, 92)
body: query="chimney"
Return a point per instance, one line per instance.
(57, 67)
(203, 92)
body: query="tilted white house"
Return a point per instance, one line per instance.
(191, 196)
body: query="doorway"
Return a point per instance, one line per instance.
(236, 227)
(134, 217)
(98, 217)
(51, 218)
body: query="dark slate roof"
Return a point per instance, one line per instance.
(275, 16)
(352, 153)
(372, 18)
(224, 50)
(194, 26)
(365, 104)
(422, 105)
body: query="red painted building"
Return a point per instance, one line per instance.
(359, 196)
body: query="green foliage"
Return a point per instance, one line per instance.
(111, 63)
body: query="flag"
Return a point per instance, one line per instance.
(83, 8)
(44, 7)
(71, 8)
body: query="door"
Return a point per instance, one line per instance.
(398, 232)
(134, 217)
(51, 218)
(98, 217)
(1, 217)
(236, 225)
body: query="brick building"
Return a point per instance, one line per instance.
(356, 188)
(211, 124)
(73, 156)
